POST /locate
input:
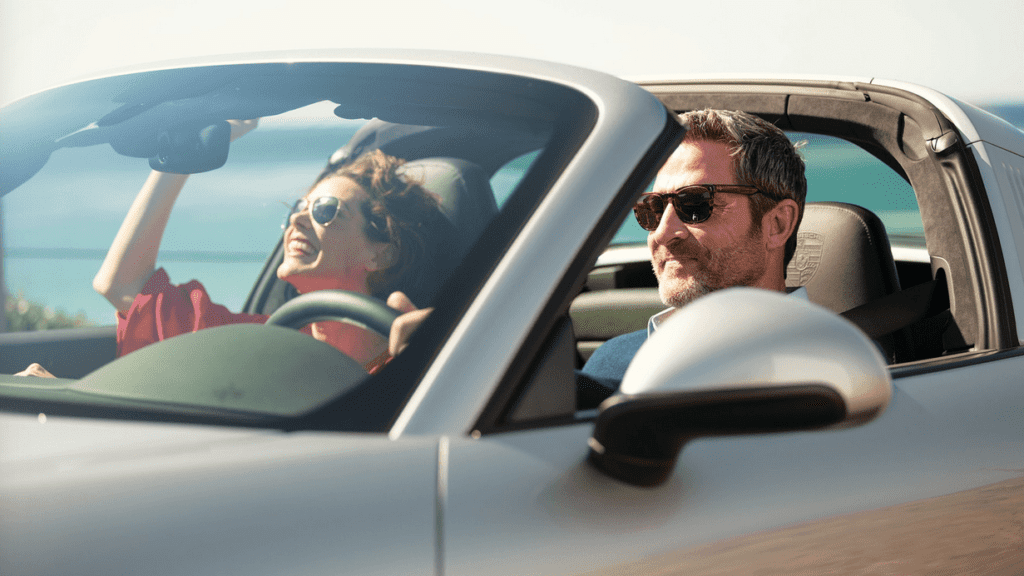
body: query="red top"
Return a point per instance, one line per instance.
(163, 310)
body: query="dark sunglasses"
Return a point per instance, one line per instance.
(693, 204)
(323, 210)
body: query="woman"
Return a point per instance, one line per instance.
(361, 227)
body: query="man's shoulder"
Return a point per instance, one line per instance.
(612, 358)
(636, 338)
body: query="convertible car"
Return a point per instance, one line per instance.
(877, 428)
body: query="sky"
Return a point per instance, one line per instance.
(970, 50)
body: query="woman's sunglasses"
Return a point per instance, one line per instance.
(693, 204)
(323, 210)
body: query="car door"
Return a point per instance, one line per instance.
(933, 483)
(119, 497)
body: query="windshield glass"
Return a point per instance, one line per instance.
(140, 211)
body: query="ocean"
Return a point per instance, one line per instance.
(57, 227)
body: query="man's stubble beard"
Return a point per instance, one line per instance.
(743, 266)
(695, 288)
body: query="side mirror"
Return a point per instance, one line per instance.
(738, 361)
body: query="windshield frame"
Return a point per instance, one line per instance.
(573, 119)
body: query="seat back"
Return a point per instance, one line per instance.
(843, 259)
(463, 189)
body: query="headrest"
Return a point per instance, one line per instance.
(463, 189)
(843, 257)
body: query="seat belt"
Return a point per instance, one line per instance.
(898, 310)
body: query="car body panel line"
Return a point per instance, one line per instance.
(441, 503)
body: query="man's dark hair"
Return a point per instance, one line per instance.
(763, 157)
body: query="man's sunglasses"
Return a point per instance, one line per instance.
(323, 210)
(693, 204)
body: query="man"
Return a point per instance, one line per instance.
(723, 212)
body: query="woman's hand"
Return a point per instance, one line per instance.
(406, 324)
(35, 370)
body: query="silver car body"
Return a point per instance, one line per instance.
(438, 495)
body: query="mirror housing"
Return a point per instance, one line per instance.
(738, 361)
(192, 149)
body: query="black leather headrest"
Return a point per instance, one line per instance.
(843, 257)
(464, 191)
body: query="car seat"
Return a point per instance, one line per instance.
(843, 259)
(464, 191)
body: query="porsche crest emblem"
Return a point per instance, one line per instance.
(807, 257)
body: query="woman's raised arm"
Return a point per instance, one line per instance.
(131, 259)
(132, 256)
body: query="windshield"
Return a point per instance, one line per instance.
(140, 212)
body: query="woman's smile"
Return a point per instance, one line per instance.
(335, 253)
(300, 246)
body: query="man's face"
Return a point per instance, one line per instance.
(726, 250)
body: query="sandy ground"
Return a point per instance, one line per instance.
(978, 531)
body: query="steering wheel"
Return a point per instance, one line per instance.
(337, 305)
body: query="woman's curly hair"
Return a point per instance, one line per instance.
(403, 214)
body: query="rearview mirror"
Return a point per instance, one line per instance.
(192, 149)
(738, 361)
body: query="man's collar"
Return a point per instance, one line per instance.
(657, 319)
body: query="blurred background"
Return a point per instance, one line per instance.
(969, 50)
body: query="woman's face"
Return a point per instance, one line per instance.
(336, 255)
